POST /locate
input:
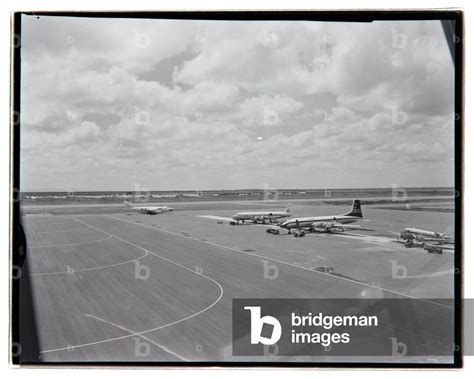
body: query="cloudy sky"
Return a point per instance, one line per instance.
(117, 104)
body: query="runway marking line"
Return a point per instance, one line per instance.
(141, 336)
(70, 244)
(434, 274)
(152, 329)
(46, 223)
(73, 271)
(60, 231)
(284, 263)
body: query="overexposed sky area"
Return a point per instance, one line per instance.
(112, 104)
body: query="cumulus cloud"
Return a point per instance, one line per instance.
(108, 103)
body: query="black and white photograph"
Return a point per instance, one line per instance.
(237, 189)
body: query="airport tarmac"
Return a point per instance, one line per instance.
(136, 287)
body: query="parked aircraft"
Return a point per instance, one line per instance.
(433, 242)
(260, 216)
(148, 210)
(321, 224)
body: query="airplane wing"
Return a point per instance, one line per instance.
(438, 248)
(444, 247)
(337, 225)
(228, 219)
(355, 227)
(438, 241)
(152, 210)
(218, 218)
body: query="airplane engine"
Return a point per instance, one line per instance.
(322, 226)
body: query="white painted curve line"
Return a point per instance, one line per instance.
(431, 275)
(70, 244)
(59, 231)
(287, 263)
(73, 271)
(164, 348)
(158, 327)
(24, 221)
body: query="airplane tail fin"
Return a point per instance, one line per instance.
(448, 233)
(356, 210)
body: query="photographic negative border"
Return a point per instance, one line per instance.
(457, 51)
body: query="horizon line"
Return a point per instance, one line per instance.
(242, 189)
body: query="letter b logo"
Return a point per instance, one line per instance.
(256, 327)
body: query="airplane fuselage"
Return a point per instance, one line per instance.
(308, 222)
(147, 210)
(263, 215)
(413, 234)
(432, 242)
(150, 210)
(422, 232)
